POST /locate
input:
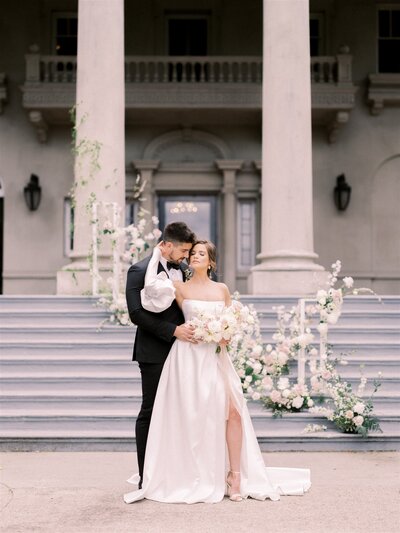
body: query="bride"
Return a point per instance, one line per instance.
(201, 440)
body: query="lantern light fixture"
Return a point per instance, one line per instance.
(33, 193)
(342, 193)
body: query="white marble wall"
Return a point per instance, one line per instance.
(33, 249)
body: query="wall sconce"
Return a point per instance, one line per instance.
(33, 193)
(342, 193)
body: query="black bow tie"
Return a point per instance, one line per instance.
(172, 265)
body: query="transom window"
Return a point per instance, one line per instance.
(389, 39)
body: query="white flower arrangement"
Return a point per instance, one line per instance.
(135, 242)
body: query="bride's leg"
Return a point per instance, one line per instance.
(234, 443)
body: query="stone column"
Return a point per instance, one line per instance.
(99, 173)
(229, 169)
(287, 250)
(146, 169)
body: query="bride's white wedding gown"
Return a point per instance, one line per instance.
(186, 454)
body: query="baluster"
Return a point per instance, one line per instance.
(165, 69)
(240, 66)
(211, 74)
(202, 72)
(64, 72)
(45, 71)
(186, 72)
(74, 72)
(146, 72)
(330, 77)
(156, 76)
(174, 68)
(230, 73)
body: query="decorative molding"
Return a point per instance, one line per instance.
(161, 144)
(384, 90)
(165, 96)
(145, 164)
(229, 164)
(38, 122)
(3, 91)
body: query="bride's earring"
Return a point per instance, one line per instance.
(209, 272)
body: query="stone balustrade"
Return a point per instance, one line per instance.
(186, 69)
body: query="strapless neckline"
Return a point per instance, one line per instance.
(195, 300)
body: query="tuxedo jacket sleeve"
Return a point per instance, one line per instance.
(153, 323)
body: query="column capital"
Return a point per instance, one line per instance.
(229, 164)
(145, 164)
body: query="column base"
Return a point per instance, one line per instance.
(286, 282)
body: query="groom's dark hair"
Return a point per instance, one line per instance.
(178, 232)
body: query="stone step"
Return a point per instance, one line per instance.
(28, 334)
(269, 441)
(96, 317)
(74, 302)
(293, 423)
(118, 347)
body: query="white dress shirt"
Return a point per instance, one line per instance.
(174, 274)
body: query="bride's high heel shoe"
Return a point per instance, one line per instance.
(236, 496)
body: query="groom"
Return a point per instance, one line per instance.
(156, 332)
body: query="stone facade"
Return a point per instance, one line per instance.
(205, 138)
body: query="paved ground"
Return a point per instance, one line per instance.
(81, 492)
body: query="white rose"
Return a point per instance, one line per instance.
(283, 383)
(286, 393)
(267, 382)
(256, 396)
(310, 402)
(249, 379)
(282, 358)
(359, 408)
(257, 350)
(349, 414)
(297, 402)
(321, 294)
(348, 282)
(322, 301)
(358, 420)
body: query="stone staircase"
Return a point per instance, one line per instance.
(68, 384)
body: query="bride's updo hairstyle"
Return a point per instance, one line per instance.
(212, 254)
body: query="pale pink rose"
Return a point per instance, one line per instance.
(256, 396)
(282, 358)
(310, 402)
(275, 396)
(267, 382)
(326, 374)
(358, 420)
(298, 402)
(359, 408)
(349, 414)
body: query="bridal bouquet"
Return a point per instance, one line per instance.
(232, 320)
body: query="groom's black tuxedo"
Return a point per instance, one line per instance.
(155, 331)
(153, 341)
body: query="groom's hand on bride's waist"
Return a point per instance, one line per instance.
(184, 332)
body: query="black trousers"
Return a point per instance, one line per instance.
(150, 373)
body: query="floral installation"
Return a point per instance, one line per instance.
(135, 241)
(288, 397)
(345, 408)
(248, 355)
